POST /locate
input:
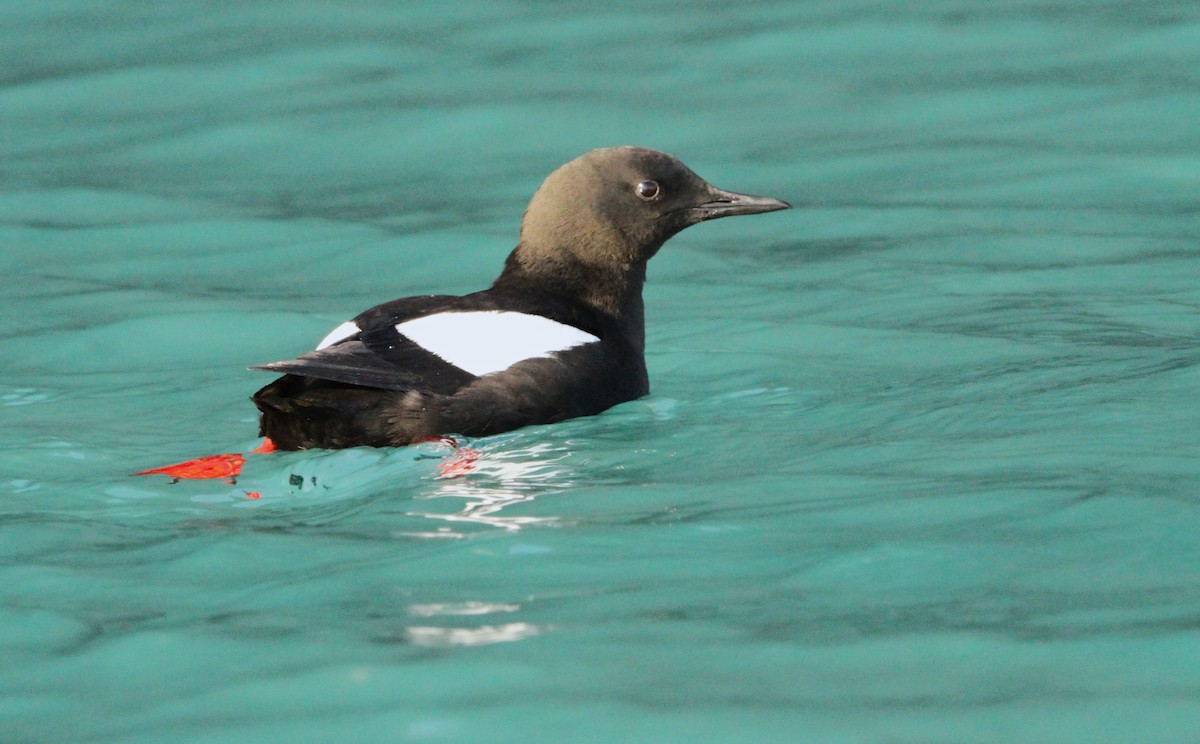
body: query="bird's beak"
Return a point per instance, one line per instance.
(727, 204)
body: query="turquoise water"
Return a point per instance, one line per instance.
(920, 463)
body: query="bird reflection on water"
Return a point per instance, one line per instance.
(497, 479)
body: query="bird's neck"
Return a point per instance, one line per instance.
(612, 291)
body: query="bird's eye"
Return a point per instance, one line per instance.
(647, 190)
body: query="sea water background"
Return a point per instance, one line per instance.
(920, 463)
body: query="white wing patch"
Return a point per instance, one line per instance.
(482, 342)
(341, 333)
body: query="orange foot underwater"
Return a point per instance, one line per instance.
(213, 466)
(461, 461)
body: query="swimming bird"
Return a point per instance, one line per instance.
(560, 333)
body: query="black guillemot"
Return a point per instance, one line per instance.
(560, 334)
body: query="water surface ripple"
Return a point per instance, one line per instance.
(920, 463)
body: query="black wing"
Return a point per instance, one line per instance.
(379, 357)
(353, 362)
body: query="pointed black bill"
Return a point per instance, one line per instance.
(727, 204)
